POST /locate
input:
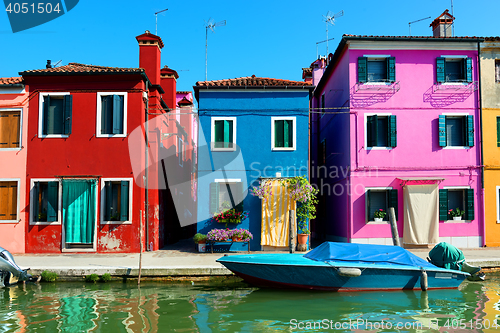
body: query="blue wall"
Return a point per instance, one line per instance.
(253, 158)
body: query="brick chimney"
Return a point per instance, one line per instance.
(169, 84)
(150, 55)
(441, 26)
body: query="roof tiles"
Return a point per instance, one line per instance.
(74, 67)
(11, 80)
(251, 81)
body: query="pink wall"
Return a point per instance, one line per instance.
(13, 166)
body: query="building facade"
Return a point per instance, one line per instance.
(13, 150)
(251, 129)
(396, 123)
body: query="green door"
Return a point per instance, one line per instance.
(79, 207)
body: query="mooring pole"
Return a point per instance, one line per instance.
(291, 231)
(394, 227)
(140, 250)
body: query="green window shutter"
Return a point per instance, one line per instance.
(36, 197)
(469, 204)
(362, 67)
(372, 130)
(279, 130)
(443, 205)
(393, 201)
(469, 127)
(286, 134)
(468, 69)
(392, 132)
(124, 199)
(45, 114)
(108, 188)
(368, 202)
(498, 131)
(214, 198)
(227, 126)
(67, 113)
(52, 194)
(440, 73)
(391, 69)
(231, 129)
(442, 131)
(219, 134)
(117, 114)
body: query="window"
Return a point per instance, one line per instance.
(453, 198)
(497, 70)
(283, 133)
(226, 194)
(55, 114)
(45, 202)
(111, 114)
(10, 128)
(498, 131)
(381, 198)
(376, 69)
(453, 69)
(116, 198)
(223, 133)
(9, 194)
(456, 131)
(381, 131)
(180, 150)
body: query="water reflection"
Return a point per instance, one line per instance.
(160, 307)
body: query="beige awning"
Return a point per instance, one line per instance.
(420, 180)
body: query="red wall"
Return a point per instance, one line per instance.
(82, 154)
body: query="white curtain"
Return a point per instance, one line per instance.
(421, 214)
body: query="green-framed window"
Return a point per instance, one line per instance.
(456, 131)
(381, 131)
(223, 133)
(456, 198)
(384, 199)
(56, 114)
(449, 69)
(116, 200)
(376, 69)
(283, 133)
(45, 201)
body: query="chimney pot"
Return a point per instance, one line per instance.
(49, 65)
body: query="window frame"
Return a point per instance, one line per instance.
(59, 201)
(463, 115)
(220, 182)
(378, 57)
(388, 129)
(458, 188)
(294, 147)
(20, 110)
(99, 112)
(379, 189)
(497, 70)
(41, 95)
(461, 58)
(103, 199)
(18, 210)
(212, 134)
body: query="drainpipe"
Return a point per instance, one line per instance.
(483, 213)
(146, 172)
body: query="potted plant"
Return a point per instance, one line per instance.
(456, 214)
(238, 235)
(230, 215)
(218, 235)
(379, 215)
(201, 240)
(303, 235)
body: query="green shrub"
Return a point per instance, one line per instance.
(92, 278)
(106, 277)
(49, 276)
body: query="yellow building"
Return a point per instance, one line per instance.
(490, 96)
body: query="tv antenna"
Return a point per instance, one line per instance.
(330, 18)
(210, 25)
(410, 23)
(317, 55)
(156, 17)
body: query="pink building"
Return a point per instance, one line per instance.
(397, 124)
(13, 147)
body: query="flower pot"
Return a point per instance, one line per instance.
(302, 238)
(202, 247)
(378, 219)
(457, 218)
(236, 239)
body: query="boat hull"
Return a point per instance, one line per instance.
(306, 274)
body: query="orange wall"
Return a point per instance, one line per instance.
(13, 165)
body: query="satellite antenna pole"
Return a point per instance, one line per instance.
(317, 55)
(329, 18)
(156, 17)
(410, 23)
(210, 25)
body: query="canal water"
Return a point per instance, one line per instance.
(237, 307)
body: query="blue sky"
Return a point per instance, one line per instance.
(267, 38)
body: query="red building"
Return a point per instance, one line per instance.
(84, 191)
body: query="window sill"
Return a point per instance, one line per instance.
(282, 149)
(380, 148)
(456, 147)
(45, 223)
(54, 136)
(223, 149)
(111, 135)
(377, 222)
(9, 221)
(116, 222)
(457, 221)
(11, 149)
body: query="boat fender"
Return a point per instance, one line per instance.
(423, 280)
(348, 271)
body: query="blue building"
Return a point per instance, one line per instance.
(251, 128)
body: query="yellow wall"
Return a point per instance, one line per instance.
(490, 94)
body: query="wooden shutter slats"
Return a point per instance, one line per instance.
(443, 205)
(362, 69)
(8, 200)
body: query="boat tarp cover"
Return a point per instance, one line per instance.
(447, 256)
(366, 253)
